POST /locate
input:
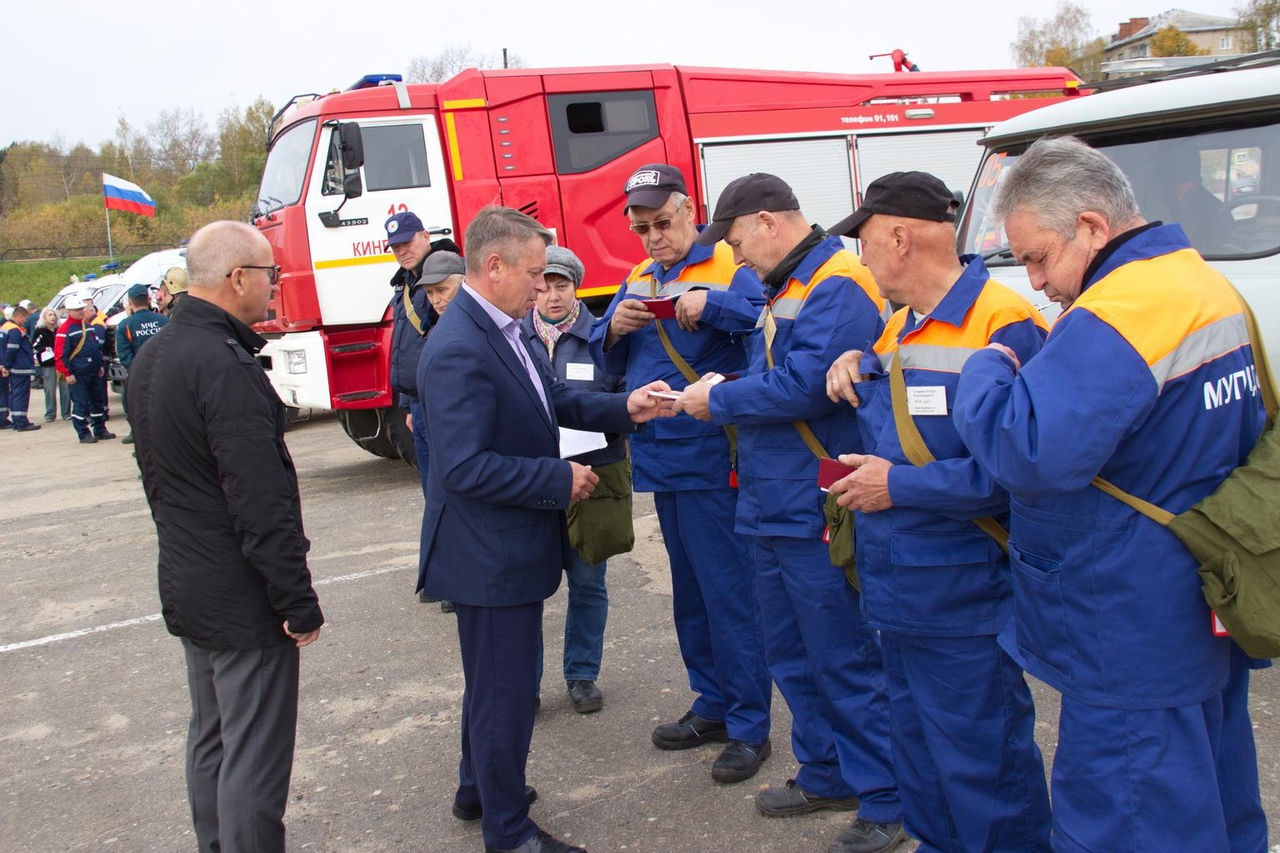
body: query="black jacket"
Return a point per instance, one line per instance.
(221, 484)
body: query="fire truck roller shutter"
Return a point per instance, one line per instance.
(820, 171)
(951, 155)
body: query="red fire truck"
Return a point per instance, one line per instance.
(559, 145)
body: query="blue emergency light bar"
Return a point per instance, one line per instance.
(369, 81)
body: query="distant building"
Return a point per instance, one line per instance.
(1128, 50)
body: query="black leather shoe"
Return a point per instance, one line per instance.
(447, 607)
(791, 799)
(689, 731)
(867, 837)
(475, 812)
(104, 435)
(586, 697)
(542, 842)
(426, 599)
(128, 439)
(27, 428)
(88, 439)
(740, 761)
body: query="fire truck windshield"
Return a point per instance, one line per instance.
(1218, 185)
(286, 170)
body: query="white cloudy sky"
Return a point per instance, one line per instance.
(70, 68)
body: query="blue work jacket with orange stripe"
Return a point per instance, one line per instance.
(925, 567)
(682, 453)
(829, 304)
(1147, 379)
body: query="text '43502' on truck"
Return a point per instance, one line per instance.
(559, 145)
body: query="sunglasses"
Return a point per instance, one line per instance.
(273, 271)
(642, 228)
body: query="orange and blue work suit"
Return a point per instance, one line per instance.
(19, 362)
(1147, 380)
(821, 653)
(686, 464)
(937, 588)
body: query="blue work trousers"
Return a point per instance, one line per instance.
(4, 401)
(420, 442)
(89, 403)
(584, 621)
(964, 753)
(19, 398)
(1161, 779)
(826, 662)
(499, 647)
(713, 590)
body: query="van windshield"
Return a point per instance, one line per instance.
(286, 169)
(1221, 185)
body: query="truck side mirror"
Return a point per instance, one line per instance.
(351, 186)
(352, 148)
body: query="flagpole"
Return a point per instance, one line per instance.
(110, 250)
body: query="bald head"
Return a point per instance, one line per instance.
(228, 264)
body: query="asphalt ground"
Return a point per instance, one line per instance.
(94, 710)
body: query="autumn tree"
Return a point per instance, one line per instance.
(1171, 41)
(1067, 39)
(1260, 21)
(449, 61)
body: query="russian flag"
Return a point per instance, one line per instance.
(120, 194)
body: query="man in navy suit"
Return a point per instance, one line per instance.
(494, 538)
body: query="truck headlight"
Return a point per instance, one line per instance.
(297, 361)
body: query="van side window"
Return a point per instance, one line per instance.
(591, 129)
(395, 158)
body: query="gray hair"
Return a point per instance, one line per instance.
(217, 249)
(1060, 178)
(498, 229)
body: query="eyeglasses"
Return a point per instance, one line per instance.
(642, 228)
(273, 271)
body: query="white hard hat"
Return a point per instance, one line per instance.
(74, 303)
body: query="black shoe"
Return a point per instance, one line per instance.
(689, 731)
(26, 428)
(6, 425)
(740, 761)
(447, 607)
(88, 439)
(867, 837)
(476, 812)
(104, 435)
(537, 704)
(542, 842)
(426, 599)
(586, 697)
(791, 799)
(128, 439)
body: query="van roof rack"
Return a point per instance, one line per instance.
(1248, 60)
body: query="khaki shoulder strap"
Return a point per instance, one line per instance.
(410, 311)
(1266, 385)
(84, 330)
(802, 427)
(917, 451)
(691, 375)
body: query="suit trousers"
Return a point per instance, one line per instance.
(1160, 779)
(826, 662)
(964, 752)
(244, 717)
(499, 665)
(714, 602)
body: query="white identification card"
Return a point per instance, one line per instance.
(927, 400)
(585, 372)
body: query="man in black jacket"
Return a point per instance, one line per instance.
(234, 583)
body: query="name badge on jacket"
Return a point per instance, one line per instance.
(927, 400)
(584, 372)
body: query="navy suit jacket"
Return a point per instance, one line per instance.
(493, 529)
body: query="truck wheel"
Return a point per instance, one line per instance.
(380, 431)
(368, 428)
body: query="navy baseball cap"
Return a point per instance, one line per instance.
(912, 195)
(139, 291)
(402, 227)
(652, 185)
(748, 194)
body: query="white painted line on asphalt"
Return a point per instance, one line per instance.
(154, 617)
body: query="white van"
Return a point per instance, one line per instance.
(1201, 149)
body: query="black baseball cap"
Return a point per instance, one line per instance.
(652, 186)
(748, 194)
(914, 195)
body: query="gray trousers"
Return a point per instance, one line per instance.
(244, 716)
